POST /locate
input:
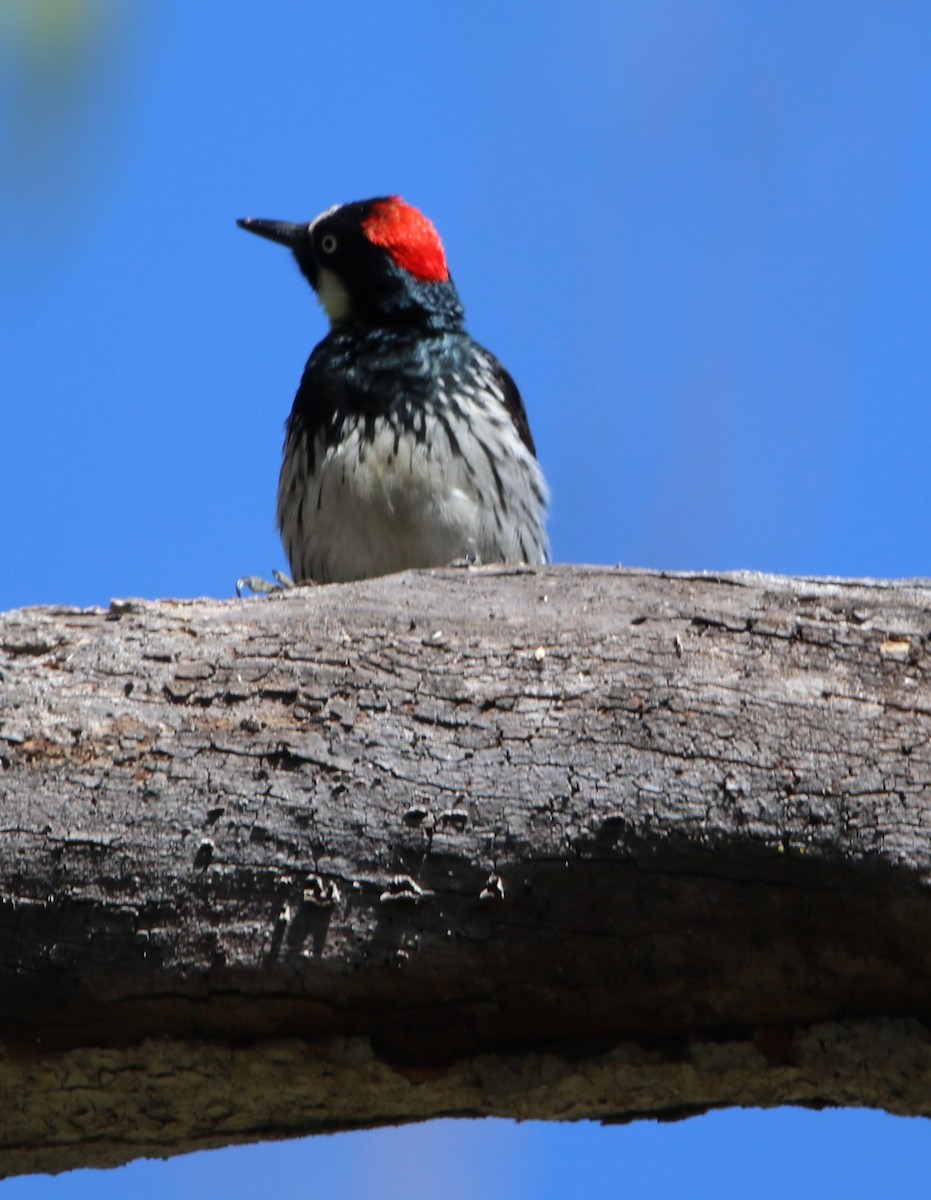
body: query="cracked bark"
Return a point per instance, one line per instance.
(560, 843)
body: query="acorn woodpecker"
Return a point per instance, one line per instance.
(408, 443)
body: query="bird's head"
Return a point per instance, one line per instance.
(373, 262)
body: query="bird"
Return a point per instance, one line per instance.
(408, 444)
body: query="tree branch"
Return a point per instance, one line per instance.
(557, 843)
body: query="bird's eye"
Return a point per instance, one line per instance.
(328, 243)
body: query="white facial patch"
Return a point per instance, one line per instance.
(332, 295)
(330, 291)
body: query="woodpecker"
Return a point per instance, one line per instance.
(408, 443)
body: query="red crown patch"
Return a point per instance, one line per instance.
(409, 238)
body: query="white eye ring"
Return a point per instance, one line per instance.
(328, 243)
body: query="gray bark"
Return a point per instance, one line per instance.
(558, 843)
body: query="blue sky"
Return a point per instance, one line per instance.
(696, 233)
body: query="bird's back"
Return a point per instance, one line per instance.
(407, 449)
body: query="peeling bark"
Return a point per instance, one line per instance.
(557, 843)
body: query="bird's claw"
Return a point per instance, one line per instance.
(467, 560)
(258, 586)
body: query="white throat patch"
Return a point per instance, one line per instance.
(332, 295)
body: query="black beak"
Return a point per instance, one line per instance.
(282, 232)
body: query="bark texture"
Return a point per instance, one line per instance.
(557, 843)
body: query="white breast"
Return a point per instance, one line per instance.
(388, 501)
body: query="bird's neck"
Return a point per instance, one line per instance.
(418, 306)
